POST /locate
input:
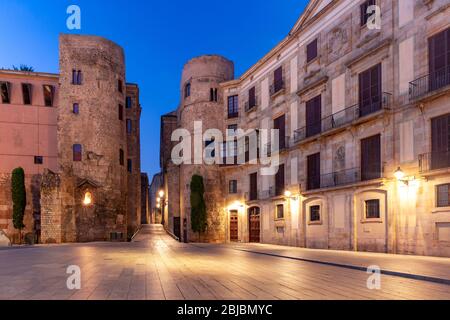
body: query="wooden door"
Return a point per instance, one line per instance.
(313, 177)
(254, 224)
(280, 125)
(440, 142)
(234, 226)
(370, 91)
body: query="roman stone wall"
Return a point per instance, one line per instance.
(99, 131)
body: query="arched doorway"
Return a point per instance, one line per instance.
(254, 223)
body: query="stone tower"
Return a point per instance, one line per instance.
(202, 100)
(99, 129)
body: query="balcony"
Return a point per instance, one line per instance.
(283, 146)
(277, 87)
(434, 161)
(342, 118)
(341, 178)
(233, 115)
(267, 194)
(249, 107)
(430, 83)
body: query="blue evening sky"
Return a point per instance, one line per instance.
(158, 38)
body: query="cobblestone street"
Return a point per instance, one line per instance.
(155, 266)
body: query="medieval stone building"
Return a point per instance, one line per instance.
(77, 136)
(360, 99)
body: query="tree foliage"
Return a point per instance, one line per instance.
(19, 197)
(23, 67)
(198, 207)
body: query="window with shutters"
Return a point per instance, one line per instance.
(26, 93)
(279, 181)
(439, 60)
(233, 107)
(364, 8)
(5, 92)
(313, 171)
(311, 51)
(371, 158)
(253, 194)
(370, 92)
(278, 83)
(443, 195)
(314, 116)
(49, 92)
(372, 209)
(440, 142)
(280, 125)
(77, 152)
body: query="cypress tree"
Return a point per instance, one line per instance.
(198, 207)
(18, 193)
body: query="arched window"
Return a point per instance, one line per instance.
(77, 152)
(187, 90)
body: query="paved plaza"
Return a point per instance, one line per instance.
(155, 266)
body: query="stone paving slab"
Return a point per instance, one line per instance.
(433, 267)
(157, 267)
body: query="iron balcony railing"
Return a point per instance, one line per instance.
(434, 161)
(341, 178)
(342, 118)
(276, 87)
(249, 107)
(267, 194)
(282, 146)
(232, 115)
(429, 83)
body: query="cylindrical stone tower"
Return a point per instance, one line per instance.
(202, 100)
(92, 148)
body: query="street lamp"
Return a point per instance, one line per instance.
(162, 203)
(87, 201)
(399, 174)
(161, 194)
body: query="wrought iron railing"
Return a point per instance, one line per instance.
(434, 161)
(283, 145)
(343, 118)
(277, 86)
(429, 83)
(341, 178)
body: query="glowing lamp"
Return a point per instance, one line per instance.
(399, 174)
(87, 201)
(161, 194)
(287, 194)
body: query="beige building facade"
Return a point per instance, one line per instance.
(361, 102)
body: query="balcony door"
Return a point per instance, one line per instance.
(370, 93)
(439, 60)
(440, 142)
(313, 178)
(279, 181)
(371, 158)
(313, 116)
